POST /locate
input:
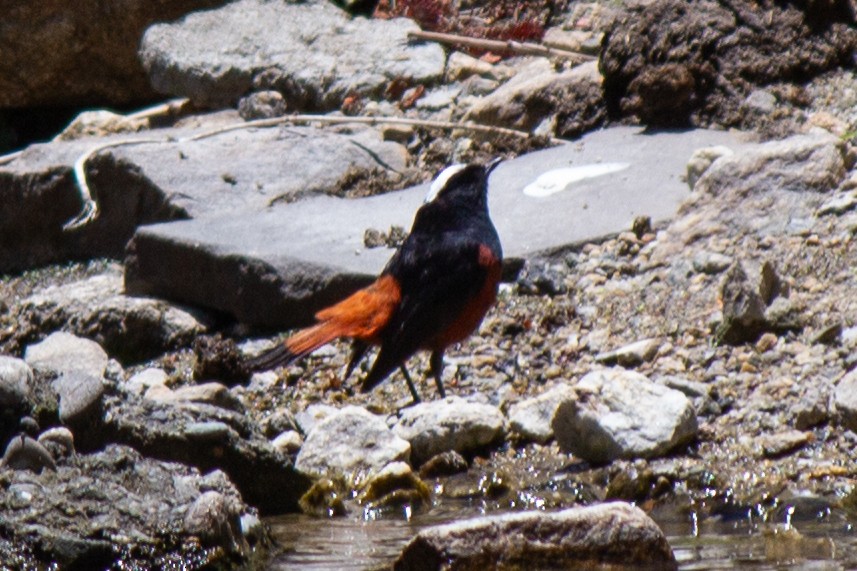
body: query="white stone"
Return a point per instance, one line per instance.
(352, 443)
(622, 414)
(449, 424)
(531, 418)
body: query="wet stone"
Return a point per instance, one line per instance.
(325, 498)
(776, 445)
(609, 533)
(394, 486)
(443, 464)
(25, 453)
(80, 396)
(215, 520)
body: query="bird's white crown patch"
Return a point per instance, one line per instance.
(440, 181)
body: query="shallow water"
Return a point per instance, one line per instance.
(826, 543)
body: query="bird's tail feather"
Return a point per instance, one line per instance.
(298, 345)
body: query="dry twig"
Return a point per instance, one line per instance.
(524, 48)
(90, 210)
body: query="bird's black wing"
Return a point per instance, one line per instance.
(439, 276)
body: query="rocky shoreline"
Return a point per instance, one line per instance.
(694, 354)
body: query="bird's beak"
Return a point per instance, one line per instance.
(491, 165)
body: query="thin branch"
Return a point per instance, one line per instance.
(168, 108)
(339, 119)
(90, 210)
(524, 48)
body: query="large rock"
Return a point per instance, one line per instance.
(531, 418)
(80, 395)
(62, 353)
(111, 509)
(208, 437)
(607, 534)
(57, 53)
(129, 328)
(733, 195)
(15, 380)
(449, 424)
(141, 184)
(799, 163)
(277, 268)
(669, 65)
(845, 400)
(352, 443)
(313, 53)
(570, 100)
(622, 414)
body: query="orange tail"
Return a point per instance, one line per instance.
(361, 316)
(301, 343)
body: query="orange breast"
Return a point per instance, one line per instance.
(475, 310)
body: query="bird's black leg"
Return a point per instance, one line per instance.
(358, 349)
(436, 364)
(410, 382)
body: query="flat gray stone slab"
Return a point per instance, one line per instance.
(314, 53)
(146, 183)
(278, 267)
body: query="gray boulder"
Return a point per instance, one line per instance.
(622, 414)
(130, 328)
(313, 53)
(15, 380)
(352, 443)
(63, 352)
(210, 438)
(571, 102)
(531, 418)
(142, 184)
(799, 163)
(25, 453)
(614, 533)
(54, 39)
(80, 397)
(110, 509)
(449, 424)
(845, 400)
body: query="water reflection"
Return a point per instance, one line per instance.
(315, 544)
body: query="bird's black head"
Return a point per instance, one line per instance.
(462, 184)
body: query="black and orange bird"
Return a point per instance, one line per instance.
(433, 293)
